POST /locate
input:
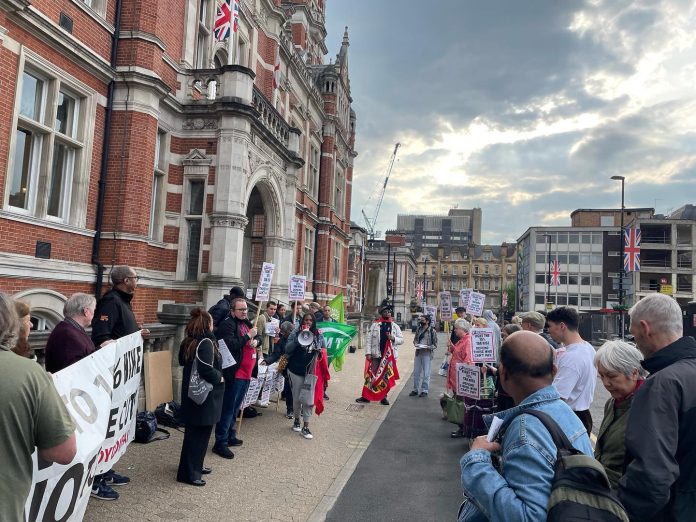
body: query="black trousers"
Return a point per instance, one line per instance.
(287, 390)
(586, 417)
(193, 450)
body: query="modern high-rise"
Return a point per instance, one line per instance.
(459, 228)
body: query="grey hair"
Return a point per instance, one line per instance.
(9, 322)
(661, 312)
(463, 324)
(620, 356)
(75, 305)
(119, 273)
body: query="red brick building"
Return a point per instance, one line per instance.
(125, 138)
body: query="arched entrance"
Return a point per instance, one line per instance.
(254, 248)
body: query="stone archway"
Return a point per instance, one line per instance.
(46, 306)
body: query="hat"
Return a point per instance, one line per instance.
(534, 318)
(384, 307)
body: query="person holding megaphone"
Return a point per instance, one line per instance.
(304, 348)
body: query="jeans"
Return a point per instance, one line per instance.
(421, 365)
(231, 404)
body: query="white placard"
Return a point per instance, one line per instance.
(476, 302)
(496, 423)
(483, 345)
(263, 291)
(468, 381)
(227, 359)
(297, 285)
(431, 311)
(464, 294)
(445, 306)
(272, 327)
(251, 394)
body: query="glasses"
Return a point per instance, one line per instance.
(240, 309)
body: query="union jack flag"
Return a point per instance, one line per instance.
(227, 17)
(505, 299)
(631, 258)
(419, 290)
(555, 273)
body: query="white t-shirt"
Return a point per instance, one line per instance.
(577, 376)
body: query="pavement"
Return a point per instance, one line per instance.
(275, 475)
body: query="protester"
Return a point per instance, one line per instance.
(241, 338)
(491, 323)
(69, 342)
(576, 377)
(113, 319)
(618, 365)
(326, 315)
(425, 341)
(264, 319)
(295, 314)
(315, 308)
(280, 312)
(381, 372)
(302, 361)
(278, 352)
(503, 401)
(22, 346)
(521, 489)
(535, 322)
(199, 345)
(221, 310)
(32, 415)
(660, 479)
(508, 329)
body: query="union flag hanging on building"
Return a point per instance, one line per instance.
(226, 18)
(631, 258)
(555, 273)
(419, 290)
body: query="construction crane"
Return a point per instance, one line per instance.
(371, 223)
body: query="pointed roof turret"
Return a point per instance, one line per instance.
(342, 56)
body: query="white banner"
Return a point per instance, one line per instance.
(476, 302)
(445, 306)
(482, 345)
(263, 291)
(468, 381)
(104, 412)
(296, 288)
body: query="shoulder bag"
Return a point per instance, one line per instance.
(199, 388)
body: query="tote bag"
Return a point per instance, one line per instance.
(199, 388)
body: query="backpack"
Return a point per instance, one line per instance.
(146, 427)
(169, 414)
(580, 488)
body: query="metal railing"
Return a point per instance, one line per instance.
(655, 263)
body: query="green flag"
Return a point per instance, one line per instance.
(338, 336)
(337, 311)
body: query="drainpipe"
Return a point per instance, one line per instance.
(105, 157)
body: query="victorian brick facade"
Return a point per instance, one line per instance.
(126, 138)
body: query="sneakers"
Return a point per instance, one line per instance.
(296, 425)
(223, 451)
(235, 442)
(290, 415)
(103, 491)
(114, 479)
(362, 399)
(306, 433)
(384, 402)
(413, 393)
(423, 394)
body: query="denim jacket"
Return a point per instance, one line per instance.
(521, 490)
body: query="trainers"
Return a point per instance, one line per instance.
(223, 451)
(423, 394)
(103, 492)
(306, 433)
(290, 415)
(114, 479)
(362, 399)
(384, 401)
(413, 393)
(296, 425)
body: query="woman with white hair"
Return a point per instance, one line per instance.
(619, 366)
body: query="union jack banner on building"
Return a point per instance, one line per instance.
(226, 18)
(555, 273)
(419, 290)
(504, 301)
(631, 258)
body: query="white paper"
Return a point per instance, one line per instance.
(227, 359)
(494, 429)
(272, 326)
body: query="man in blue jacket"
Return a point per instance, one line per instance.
(521, 490)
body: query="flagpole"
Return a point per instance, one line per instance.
(232, 39)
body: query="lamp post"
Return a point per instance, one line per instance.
(547, 272)
(621, 258)
(425, 289)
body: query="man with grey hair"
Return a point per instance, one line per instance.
(535, 322)
(69, 342)
(660, 479)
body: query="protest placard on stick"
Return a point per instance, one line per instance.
(476, 302)
(483, 345)
(468, 381)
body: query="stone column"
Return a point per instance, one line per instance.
(176, 314)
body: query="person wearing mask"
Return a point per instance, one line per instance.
(69, 341)
(199, 345)
(425, 341)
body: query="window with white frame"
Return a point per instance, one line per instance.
(338, 249)
(339, 190)
(313, 172)
(203, 33)
(309, 254)
(48, 166)
(194, 223)
(159, 179)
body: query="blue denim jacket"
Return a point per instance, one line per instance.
(521, 490)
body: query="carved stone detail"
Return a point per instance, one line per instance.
(200, 124)
(287, 244)
(228, 221)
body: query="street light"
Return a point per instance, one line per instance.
(621, 258)
(425, 290)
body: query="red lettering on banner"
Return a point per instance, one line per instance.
(107, 454)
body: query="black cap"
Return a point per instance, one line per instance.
(237, 292)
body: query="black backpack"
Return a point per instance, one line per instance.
(169, 414)
(580, 488)
(146, 427)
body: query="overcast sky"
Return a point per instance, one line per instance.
(523, 108)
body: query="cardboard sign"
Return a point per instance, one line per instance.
(476, 302)
(464, 294)
(468, 381)
(483, 345)
(297, 285)
(263, 291)
(445, 306)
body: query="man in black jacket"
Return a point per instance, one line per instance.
(221, 310)
(240, 337)
(660, 479)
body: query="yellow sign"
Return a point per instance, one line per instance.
(549, 306)
(666, 289)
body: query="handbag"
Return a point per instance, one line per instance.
(455, 410)
(146, 427)
(199, 388)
